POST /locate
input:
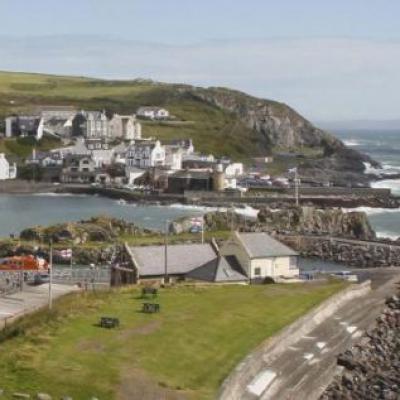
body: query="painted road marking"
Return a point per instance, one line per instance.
(293, 348)
(356, 334)
(344, 323)
(260, 383)
(321, 345)
(309, 337)
(315, 361)
(351, 329)
(325, 350)
(337, 318)
(308, 356)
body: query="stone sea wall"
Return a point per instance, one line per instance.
(361, 254)
(371, 369)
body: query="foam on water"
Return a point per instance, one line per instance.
(392, 184)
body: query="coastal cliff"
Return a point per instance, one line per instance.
(285, 129)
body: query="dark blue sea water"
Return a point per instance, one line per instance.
(383, 146)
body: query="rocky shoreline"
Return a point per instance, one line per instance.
(371, 368)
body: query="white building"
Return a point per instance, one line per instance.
(7, 171)
(261, 256)
(24, 126)
(125, 127)
(234, 170)
(153, 113)
(96, 124)
(145, 155)
(173, 157)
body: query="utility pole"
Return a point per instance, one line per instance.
(232, 216)
(166, 278)
(296, 186)
(51, 275)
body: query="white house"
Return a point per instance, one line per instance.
(173, 157)
(96, 124)
(7, 171)
(233, 170)
(125, 127)
(145, 155)
(152, 113)
(261, 256)
(24, 126)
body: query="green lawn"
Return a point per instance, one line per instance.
(186, 350)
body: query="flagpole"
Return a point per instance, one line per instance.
(51, 276)
(70, 265)
(202, 230)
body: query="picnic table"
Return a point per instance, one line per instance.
(150, 308)
(109, 322)
(149, 291)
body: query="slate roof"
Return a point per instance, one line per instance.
(182, 258)
(220, 269)
(259, 245)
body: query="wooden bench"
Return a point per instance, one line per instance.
(151, 308)
(149, 291)
(109, 322)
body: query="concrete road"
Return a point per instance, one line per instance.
(303, 370)
(29, 300)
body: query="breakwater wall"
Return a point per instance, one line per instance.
(234, 386)
(356, 253)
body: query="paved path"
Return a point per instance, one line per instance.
(29, 300)
(303, 370)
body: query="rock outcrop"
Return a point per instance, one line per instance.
(97, 229)
(372, 367)
(284, 128)
(310, 220)
(304, 220)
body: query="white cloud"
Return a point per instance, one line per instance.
(324, 78)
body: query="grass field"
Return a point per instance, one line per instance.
(184, 352)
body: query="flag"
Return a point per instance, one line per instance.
(197, 224)
(65, 254)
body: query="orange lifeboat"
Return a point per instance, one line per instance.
(23, 263)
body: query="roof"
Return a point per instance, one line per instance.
(220, 269)
(182, 258)
(258, 245)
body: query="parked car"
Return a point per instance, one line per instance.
(40, 279)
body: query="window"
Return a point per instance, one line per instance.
(257, 271)
(293, 263)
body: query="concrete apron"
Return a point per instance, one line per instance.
(251, 378)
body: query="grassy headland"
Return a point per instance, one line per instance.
(185, 351)
(212, 130)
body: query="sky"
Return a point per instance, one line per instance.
(330, 60)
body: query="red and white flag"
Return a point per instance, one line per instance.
(66, 254)
(197, 221)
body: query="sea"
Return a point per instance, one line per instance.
(18, 212)
(21, 211)
(384, 147)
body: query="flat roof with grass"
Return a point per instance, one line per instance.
(183, 352)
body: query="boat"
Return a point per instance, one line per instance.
(23, 263)
(121, 202)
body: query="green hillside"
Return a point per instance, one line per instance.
(212, 129)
